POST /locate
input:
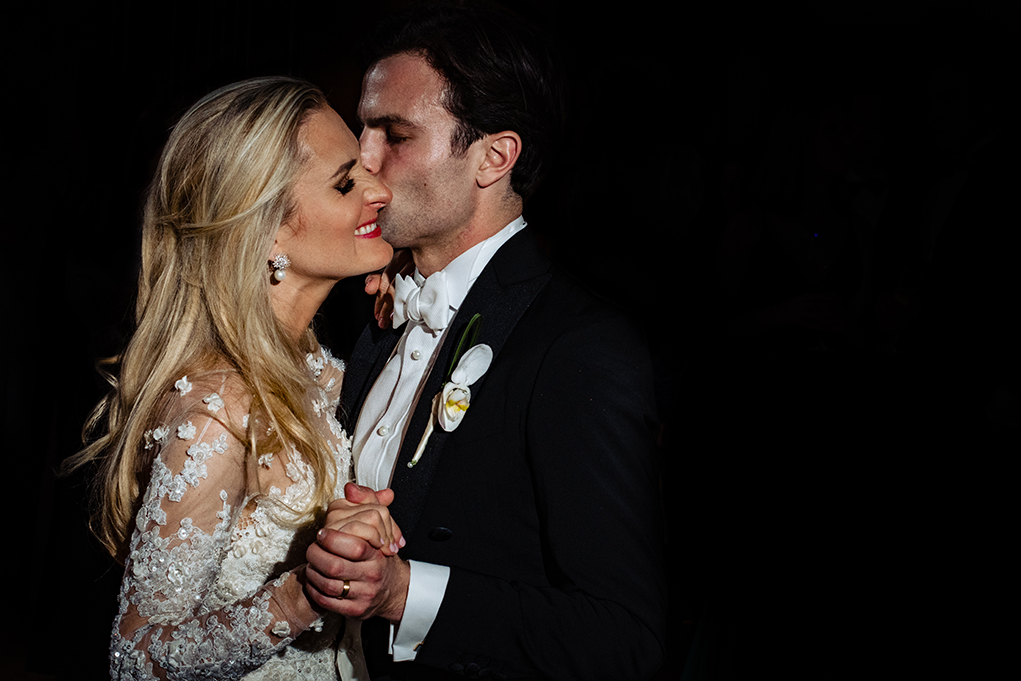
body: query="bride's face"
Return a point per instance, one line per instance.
(333, 232)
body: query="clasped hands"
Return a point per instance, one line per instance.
(353, 566)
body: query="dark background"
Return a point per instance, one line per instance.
(838, 405)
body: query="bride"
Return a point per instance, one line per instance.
(218, 451)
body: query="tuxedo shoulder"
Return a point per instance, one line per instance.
(569, 326)
(575, 305)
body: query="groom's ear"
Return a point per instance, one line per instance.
(502, 151)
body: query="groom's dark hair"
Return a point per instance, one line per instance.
(501, 74)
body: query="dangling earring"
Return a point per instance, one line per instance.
(279, 265)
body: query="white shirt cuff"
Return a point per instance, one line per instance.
(427, 585)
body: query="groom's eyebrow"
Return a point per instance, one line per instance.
(388, 120)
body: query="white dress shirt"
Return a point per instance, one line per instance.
(383, 422)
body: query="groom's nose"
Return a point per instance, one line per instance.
(371, 150)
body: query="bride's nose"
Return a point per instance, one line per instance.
(378, 194)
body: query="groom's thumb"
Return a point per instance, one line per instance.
(357, 494)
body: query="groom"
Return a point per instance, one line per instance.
(528, 494)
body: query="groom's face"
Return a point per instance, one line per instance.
(406, 142)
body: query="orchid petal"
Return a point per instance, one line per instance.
(473, 365)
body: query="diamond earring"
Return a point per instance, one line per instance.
(280, 264)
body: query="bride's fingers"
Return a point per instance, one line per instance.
(389, 545)
(369, 522)
(358, 495)
(373, 526)
(385, 497)
(361, 503)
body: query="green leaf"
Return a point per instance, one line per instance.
(473, 328)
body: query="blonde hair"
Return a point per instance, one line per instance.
(223, 188)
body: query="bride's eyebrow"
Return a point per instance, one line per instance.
(343, 169)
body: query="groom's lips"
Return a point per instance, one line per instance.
(370, 230)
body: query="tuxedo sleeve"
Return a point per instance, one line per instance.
(597, 611)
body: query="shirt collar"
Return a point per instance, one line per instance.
(463, 270)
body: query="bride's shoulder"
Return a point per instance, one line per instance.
(219, 392)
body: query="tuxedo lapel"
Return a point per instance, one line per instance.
(500, 295)
(368, 358)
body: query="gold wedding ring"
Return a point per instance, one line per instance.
(346, 590)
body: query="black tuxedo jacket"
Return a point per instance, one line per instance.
(544, 501)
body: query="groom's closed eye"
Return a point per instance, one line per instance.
(397, 129)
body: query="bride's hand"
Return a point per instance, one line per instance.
(364, 514)
(381, 285)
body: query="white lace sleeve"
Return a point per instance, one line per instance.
(169, 624)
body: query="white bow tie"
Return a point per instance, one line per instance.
(426, 304)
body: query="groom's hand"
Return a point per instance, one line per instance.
(349, 576)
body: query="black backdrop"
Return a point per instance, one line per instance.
(811, 512)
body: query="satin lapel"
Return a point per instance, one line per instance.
(501, 295)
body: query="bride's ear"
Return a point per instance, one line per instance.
(285, 233)
(502, 151)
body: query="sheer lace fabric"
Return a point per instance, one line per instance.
(212, 585)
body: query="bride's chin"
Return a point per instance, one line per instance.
(381, 258)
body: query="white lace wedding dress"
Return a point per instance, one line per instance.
(212, 586)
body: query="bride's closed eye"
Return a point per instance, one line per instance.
(345, 186)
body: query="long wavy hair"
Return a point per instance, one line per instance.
(223, 188)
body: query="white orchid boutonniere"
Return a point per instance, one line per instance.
(454, 399)
(450, 404)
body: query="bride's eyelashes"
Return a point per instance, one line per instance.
(345, 186)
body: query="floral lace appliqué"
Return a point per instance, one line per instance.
(183, 386)
(197, 600)
(214, 401)
(186, 431)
